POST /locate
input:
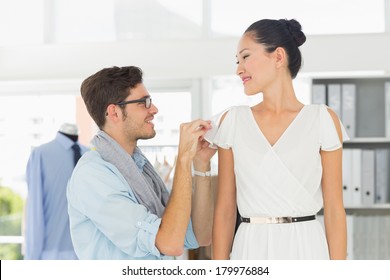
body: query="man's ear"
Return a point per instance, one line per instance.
(112, 112)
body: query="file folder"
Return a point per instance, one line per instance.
(356, 177)
(387, 109)
(382, 184)
(347, 178)
(334, 98)
(350, 237)
(368, 177)
(318, 95)
(348, 108)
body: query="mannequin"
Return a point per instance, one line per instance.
(70, 130)
(47, 222)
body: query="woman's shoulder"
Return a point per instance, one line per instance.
(318, 110)
(238, 109)
(234, 111)
(315, 107)
(324, 111)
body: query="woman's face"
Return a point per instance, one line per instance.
(255, 66)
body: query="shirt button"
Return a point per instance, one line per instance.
(139, 223)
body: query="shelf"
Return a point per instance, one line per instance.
(368, 140)
(376, 209)
(385, 206)
(362, 105)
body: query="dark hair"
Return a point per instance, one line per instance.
(108, 86)
(283, 33)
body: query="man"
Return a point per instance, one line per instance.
(48, 170)
(118, 205)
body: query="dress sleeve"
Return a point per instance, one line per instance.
(329, 138)
(222, 133)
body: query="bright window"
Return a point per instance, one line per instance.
(25, 122)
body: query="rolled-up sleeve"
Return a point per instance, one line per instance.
(147, 236)
(190, 239)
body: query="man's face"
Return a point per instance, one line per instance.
(137, 118)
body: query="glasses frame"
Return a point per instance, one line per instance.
(146, 100)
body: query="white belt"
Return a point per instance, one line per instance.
(277, 220)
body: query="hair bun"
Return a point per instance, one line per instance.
(295, 29)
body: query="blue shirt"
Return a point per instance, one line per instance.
(48, 170)
(106, 220)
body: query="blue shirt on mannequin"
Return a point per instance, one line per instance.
(47, 222)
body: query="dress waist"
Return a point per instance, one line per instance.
(277, 220)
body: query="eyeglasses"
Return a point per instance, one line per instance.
(146, 100)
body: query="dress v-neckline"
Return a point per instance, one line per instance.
(272, 146)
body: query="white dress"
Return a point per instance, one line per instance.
(279, 180)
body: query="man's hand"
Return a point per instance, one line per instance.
(191, 137)
(203, 156)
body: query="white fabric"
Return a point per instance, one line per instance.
(215, 121)
(279, 180)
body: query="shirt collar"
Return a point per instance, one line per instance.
(139, 159)
(64, 141)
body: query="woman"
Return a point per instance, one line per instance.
(279, 161)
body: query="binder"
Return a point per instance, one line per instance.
(347, 178)
(359, 241)
(318, 94)
(387, 109)
(368, 177)
(334, 98)
(348, 108)
(382, 184)
(350, 237)
(356, 177)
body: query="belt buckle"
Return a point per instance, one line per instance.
(283, 220)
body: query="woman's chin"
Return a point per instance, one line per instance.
(249, 92)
